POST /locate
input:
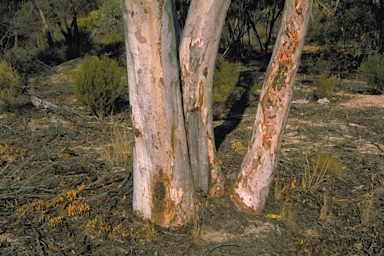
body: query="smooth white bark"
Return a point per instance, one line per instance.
(163, 189)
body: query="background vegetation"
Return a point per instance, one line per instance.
(10, 87)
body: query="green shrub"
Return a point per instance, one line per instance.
(98, 84)
(325, 86)
(224, 81)
(372, 71)
(10, 87)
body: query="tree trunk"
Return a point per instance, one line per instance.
(198, 51)
(163, 189)
(44, 23)
(252, 187)
(380, 24)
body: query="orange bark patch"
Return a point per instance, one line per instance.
(162, 205)
(239, 202)
(299, 4)
(284, 57)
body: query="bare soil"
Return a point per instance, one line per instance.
(60, 194)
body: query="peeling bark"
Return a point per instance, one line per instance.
(198, 51)
(252, 187)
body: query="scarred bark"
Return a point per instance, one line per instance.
(252, 187)
(163, 189)
(198, 51)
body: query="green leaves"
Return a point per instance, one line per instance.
(98, 84)
(372, 71)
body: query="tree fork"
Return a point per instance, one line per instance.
(162, 184)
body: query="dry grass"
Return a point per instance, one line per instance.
(196, 228)
(238, 147)
(119, 149)
(365, 207)
(313, 173)
(316, 168)
(100, 228)
(288, 212)
(279, 189)
(324, 208)
(366, 204)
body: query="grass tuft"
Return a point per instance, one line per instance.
(119, 150)
(316, 168)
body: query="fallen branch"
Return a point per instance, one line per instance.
(43, 104)
(39, 103)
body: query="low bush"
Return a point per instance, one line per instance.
(98, 84)
(26, 61)
(224, 81)
(372, 71)
(11, 95)
(325, 86)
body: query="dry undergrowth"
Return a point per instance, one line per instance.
(365, 204)
(316, 168)
(119, 148)
(10, 154)
(99, 228)
(56, 211)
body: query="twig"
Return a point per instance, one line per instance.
(39, 103)
(174, 234)
(4, 169)
(325, 8)
(125, 180)
(221, 245)
(30, 178)
(378, 146)
(7, 126)
(39, 247)
(14, 173)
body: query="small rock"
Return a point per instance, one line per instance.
(323, 101)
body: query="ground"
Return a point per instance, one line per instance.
(66, 182)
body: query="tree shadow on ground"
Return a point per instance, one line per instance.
(237, 104)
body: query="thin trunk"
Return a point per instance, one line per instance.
(198, 51)
(16, 41)
(250, 191)
(380, 24)
(253, 26)
(163, 189)
(44, 23)
(270, 25)
(75, 36)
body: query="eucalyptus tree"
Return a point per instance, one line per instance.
(170, 83)
(256, 174)
(170, 89)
